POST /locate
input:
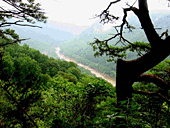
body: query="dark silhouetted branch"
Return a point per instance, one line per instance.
(112, 3)
(105, 16)
(143, 15)
(154, 79)
(5, 24)
(164, 33)
(153, 94)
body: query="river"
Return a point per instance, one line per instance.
(93, 71)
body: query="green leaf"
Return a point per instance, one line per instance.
(79, 118)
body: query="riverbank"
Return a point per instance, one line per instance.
(93, 71)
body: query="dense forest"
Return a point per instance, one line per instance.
(53, 92)
(38, 91)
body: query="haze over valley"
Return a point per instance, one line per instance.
(77, 46)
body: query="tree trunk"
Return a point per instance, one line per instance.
(124, 81)
(129, 71)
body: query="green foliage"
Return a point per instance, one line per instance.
(75, 71)
(162, 70)
(53, 92)
(114, 52)
(146, 110)
(8, 64)
(18, 13)
(70, 77)
(31, 10)
(56, 94)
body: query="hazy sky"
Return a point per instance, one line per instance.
(76, 15)
(81, 12)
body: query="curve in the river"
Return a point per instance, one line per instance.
(93, 71)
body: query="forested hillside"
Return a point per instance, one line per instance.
(38, 91)
(52, 92)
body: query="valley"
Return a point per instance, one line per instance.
(93, 71)
(77, 46)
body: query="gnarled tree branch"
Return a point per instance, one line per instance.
(146, 23)
(153, 94)
(154, 79)
(106, 19)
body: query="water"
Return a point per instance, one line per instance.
(93, 71)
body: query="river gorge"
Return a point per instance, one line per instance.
(93, 71)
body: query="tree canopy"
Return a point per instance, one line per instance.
(19, 12)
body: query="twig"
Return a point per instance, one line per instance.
(16, 23)
(164, 33)
(112, 3)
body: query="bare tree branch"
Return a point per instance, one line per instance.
(119, 32)
(12, 4)
(16, 23)
(127, 25)
(164, 33)
(105, 16)
(112, 3)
